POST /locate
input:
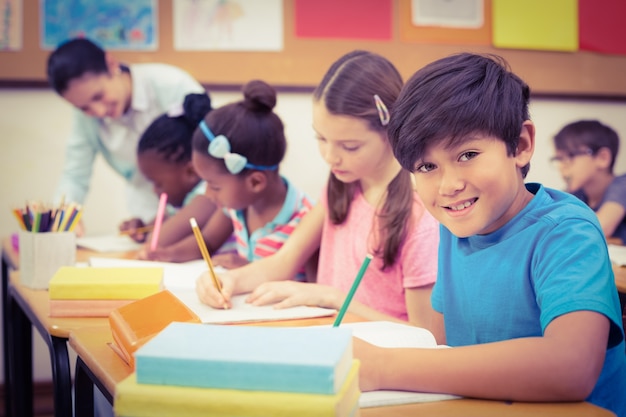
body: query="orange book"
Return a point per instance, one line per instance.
(85, 308)
(134, 324)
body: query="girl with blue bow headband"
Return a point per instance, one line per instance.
(237, 149)
(369, 206)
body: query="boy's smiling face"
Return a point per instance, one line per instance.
(474, 187)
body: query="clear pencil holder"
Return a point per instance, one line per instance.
(42, 254)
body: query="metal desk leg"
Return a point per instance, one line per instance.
(5, 340)
(59, 358)
(20, 359)
(21, 324)
(83, 390)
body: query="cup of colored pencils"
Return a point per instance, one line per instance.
(38, 217)
(46, 240)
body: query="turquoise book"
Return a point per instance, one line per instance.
(286, 359)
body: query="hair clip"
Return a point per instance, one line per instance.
(219, 147)
(383, 112)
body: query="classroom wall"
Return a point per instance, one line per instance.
(34, 124)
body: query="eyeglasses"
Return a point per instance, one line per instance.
(568, 157)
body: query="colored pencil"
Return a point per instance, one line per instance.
(158, 221)
(205, 253)
(353, 289)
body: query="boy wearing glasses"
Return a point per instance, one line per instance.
(585, 154)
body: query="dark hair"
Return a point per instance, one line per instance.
(250, 125)
(454, 97)
(588, 134)
(72, 60)
(170, 134)
(348, 88)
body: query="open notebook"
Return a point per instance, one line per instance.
(180, 279)
(388, 334)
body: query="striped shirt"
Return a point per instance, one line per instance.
(268, 239)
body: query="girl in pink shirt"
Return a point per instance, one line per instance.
(369, 206)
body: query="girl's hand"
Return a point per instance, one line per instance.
(229, 260)
(285, 294)
(208, 293)
(130, 227)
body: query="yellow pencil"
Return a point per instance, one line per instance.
(67, 213)
(74, 222)
(205, 252)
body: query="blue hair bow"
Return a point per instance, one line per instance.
(219, 147)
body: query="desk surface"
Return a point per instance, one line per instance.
(92, 345)
(39, 305)
(38, 300)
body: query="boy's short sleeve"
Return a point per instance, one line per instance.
(571, 271)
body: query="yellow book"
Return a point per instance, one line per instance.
(92, 283)
(143, 400)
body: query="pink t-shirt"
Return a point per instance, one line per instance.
(344, 247)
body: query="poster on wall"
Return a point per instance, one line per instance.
(434, 22)
(467, 14)
(11, 25)
(345, 19)
(536, 25)
(114, 24)
(228, 25)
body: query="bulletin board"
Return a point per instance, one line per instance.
(302, 61)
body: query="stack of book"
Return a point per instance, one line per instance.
(201, 369)
(95, 292)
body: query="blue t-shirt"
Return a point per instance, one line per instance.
(616, 193)
(550, 259)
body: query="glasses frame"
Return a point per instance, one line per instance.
(569, 157)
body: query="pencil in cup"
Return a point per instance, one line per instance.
(205, 252)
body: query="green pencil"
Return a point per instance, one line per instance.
(353, 289)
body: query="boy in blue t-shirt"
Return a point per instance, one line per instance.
(525, 292)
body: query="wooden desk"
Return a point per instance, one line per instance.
(98, 364)
(23, 309)
(29, 308)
